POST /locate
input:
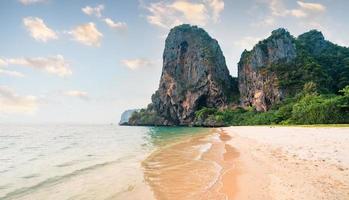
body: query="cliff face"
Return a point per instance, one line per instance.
(259, 87)
(280, 65)
(194, 75)
(126, 115)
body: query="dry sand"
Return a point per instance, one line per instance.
(290, 162)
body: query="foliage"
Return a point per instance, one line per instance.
(345, 91)
(318, 61)
(143, 117)
(308, 107)
(317, 109)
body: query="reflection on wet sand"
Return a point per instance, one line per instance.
(199, 167)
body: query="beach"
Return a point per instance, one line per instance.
(291, 162)
(110, 162)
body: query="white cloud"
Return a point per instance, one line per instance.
(76, 93)
(306, 9)
(115, 25)
(312, 6)
(28, 2)
(87, 34)
(2, 62)
(53, 64)
(137, 63)
(11, 73)
(217, 6)
(247, 42)
(97, 11)
(309, 11)
(11, 102)
(38, 29)
(194, 12)
(298, 13)
(169, 14)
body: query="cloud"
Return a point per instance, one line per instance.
(312, 6)
(11, 73)
(278, 9)
(38, 29)
(217, 6)
(53, 64)
(87, 34)
(76, 93)
(96, 11)
(137, 63)
(298, 13)
(11, 102)
(29, 2)
(2, 62)
(247, 42)
(115, 25)
(306, 9)
(169, 14)
(194, 12)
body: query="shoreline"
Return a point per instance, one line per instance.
(238, 162)
(198, 167)
(291, 162)
(264, 125)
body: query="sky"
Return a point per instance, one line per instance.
(86, 61)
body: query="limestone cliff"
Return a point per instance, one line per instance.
(194, 75)
(259, 87)
(126, 115)
(280, 65)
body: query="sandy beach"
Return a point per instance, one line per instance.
(234, 163)
(290, 162)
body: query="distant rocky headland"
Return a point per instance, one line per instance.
(282, 80)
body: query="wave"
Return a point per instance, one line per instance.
(185, 169)
(70, 163)
(202, 149)
(31, 176)
(58, 179)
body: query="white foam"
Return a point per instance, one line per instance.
(202, 149)
(219, 169)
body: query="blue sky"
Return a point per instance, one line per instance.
(85, 61)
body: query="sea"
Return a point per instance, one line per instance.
(65, 161)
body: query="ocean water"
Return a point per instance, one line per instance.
(101, 161)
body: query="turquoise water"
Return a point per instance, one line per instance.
(78, 161)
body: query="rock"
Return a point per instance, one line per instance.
(194, 75)
(313, 41)
(125, 116)
(259, 87)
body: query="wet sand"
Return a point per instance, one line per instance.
(201, 167)
(257, 163)
(192, 165)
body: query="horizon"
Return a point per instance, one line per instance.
(86, 62)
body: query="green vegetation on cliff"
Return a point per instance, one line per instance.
(308, 107)
(282, 80)
(318, 60)
(314, 84)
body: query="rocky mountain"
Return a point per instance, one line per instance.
(126, 115)
(194, 76)
(257, 86)
(279, 66)
(196, 88)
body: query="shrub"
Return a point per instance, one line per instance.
(317, 109)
